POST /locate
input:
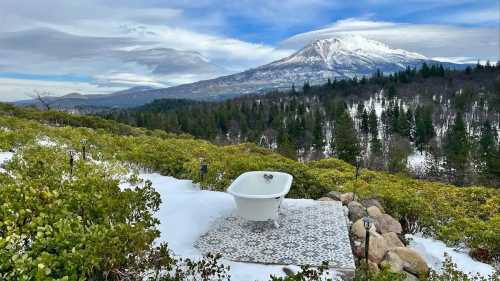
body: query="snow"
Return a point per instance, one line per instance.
(5, 157)
(417, 161)
(433, 252)
(350, 50)
(186, 213)
(45, 141)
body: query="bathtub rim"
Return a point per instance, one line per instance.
(259, 196)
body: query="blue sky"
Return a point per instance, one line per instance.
(99, 46)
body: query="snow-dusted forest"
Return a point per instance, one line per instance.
(431, 123)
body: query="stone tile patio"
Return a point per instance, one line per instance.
(308, 235)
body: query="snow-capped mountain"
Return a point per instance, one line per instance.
(334, 58)
(342, 57)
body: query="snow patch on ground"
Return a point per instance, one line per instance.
(417, 161)
(45, 141)
(4, 158)
(433, 252)
(186, 213)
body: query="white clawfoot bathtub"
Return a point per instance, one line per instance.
(258, 195)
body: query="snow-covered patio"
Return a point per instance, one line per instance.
(187, 213)
(309, 235)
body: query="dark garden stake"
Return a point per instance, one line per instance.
(367, 223)
(358, 166)
(71, 161)
(83, 142)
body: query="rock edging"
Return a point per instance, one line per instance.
(385, 247)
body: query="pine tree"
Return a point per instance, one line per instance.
(306, 88)
(364, 122)
(456, 150)
(425, 71)
(318, 136)
(410, 125)
(286, 146)
(391, 91)
(373, 123)
(489, 153)
(345, 140)
(424, 129)
(375, 160)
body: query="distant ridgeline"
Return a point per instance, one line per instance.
(432, 123)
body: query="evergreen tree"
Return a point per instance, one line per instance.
(286, 146)
(306, 88)
(424, 129)
(425, 70)
(391, 91)
(410, 125)
(345, 140)
(489, 153)
(398, 151)
(375, 159)
(373, 123)
(318, 136)
(456, 150)
(364, 122)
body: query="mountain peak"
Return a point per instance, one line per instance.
(349, 49)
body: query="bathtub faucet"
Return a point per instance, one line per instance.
(268, 177)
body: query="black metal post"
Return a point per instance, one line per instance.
(367, 245)
(71, 162)
(358, 166)
(203, 170)
(84, 144)
(367, 223)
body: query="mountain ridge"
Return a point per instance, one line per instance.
(341, 57)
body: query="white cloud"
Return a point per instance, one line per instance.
(135, 51)
(17, 89)
(431, 40)
(478, 16)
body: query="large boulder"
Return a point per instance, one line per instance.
(347, 197)
(402, 258)
(386, 223)
(377, 249)
(359, 231)
(356, 210)
(374, 212)
(372, 202)
(393, 262)
(392, 240)
(335, 195)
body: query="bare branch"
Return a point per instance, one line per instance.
(43, 98)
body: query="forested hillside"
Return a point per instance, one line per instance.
(431, 123)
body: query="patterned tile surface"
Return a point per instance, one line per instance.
(307, 235)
